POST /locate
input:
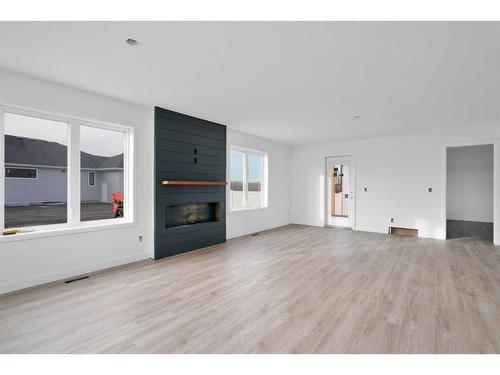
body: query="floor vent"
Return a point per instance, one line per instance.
(77, 279)
(403, 231)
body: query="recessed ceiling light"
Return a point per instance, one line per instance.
(131, 42)
(357, 116)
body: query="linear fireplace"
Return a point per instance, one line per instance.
(191, 214)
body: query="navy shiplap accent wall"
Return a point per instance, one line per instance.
(192, 149)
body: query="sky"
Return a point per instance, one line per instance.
(95, 141)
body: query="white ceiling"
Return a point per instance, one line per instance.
(298, 82)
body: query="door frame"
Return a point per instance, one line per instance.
(496, 185)
(353, 188)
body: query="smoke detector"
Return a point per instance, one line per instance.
(131, 42)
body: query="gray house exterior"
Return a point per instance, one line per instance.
(100, 175)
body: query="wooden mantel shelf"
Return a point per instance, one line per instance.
(193, 183)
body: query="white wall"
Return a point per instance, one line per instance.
(276, 214)
(29, 262)
(469, 183)
(397, 171)
(25, 263)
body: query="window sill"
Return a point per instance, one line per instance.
(64, 231)
(247, 209)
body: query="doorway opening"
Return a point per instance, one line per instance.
(340, 191)
(470, 192)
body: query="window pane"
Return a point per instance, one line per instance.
(237, 179)
(254, 180)
(20, 173)
(91, 179)
(101, 151)
(35, 170)
(340, 190)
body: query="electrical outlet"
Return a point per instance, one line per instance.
(366, 189)
(140, 238)
(430, 190)
(392, 220)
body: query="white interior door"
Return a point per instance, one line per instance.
(104, 192)
(340, 191)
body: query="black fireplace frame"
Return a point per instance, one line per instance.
(188, 152)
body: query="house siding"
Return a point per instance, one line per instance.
(89, 193)
(49, 186)
(114, 180)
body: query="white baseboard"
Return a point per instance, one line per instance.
(246, 233)
(55, 276)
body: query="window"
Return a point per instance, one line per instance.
(254, 183)
(62, 172)
(102, 150)
(248, 174)
(237, 167)
(34, 198)
(20, 173)
(91, 178)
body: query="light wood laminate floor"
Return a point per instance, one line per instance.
(296, 289)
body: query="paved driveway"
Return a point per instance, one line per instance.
(53, 214)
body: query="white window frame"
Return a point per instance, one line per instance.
(22, 178)
(263, 178)
(88, 178)
(73, 223)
